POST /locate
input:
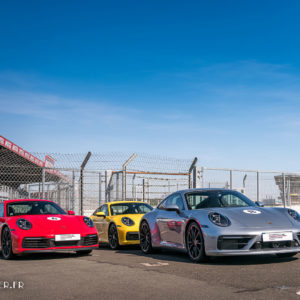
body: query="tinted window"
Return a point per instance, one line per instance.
(210, 199)
(174, 199)
(33, 208)
(1, 210)
(104, 209)
(129, 208)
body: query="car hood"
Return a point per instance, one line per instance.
(55, 224)
(256, 217)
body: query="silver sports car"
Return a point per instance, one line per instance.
(219, 222)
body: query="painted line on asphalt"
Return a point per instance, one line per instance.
(282, 287)
(298, 293)
(158, 264)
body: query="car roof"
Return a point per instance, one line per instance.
(122, 202)
(25, 200)
(204, 190)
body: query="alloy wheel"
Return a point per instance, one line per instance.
(6, 243)
(113, 237)
(194, 242)
(145, 238)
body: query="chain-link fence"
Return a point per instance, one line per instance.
(270, 188)
(82, 182)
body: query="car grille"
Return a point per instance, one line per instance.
(274, 245)
(132, 236)
(65, 243)
(91, 239)
(231, 242)
(40, 242)
(35, 243)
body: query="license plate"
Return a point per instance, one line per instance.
(277, 236)
(67, 237)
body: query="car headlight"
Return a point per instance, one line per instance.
(219, 219)
(24, 224)
(127, 221)
(294, 214)
(89, 222)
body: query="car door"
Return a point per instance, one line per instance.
(170, 223)
(101, 223)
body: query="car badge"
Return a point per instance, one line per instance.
(53, 218)
(251, 211)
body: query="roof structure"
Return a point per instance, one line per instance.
(18, 166)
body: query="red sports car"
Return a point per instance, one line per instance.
(31, 225)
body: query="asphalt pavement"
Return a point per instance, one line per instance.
(129, 274)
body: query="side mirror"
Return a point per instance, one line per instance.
(100, 214)
(71, 212)
(259, 203)
(173, 207)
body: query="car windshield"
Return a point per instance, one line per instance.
(129, 208)
(33, 208)
(210, 199)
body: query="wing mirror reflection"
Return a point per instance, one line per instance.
(173, 207)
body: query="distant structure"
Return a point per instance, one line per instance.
(292, 188)
(269, 201)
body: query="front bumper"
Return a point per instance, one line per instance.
(128, 235)
(58, 250)
(248, 242)
(251, 252)
(32, 244)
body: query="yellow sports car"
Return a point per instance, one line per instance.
(118, 222)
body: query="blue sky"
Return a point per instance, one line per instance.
(215, 79)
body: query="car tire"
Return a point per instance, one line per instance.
(113, 239)
(84, 252)
(195, 243)
(286, 255)
(145, 238)
(6, 244)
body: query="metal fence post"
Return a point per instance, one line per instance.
(73, 192)
(58, 193)
(117, 186)
(81, 179)
(289, 192)
(108, 179)
(190, 171)
(81, 192)
(257, 186)
(133, 187)
(143, 189)
(283, 190)
(202, 177)
(124, 175)
(100, 189)
(196, 177)
(43, 183)
(230, 182)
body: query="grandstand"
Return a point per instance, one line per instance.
(23, 175)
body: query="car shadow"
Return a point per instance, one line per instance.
(43, 256)
(179, 256)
